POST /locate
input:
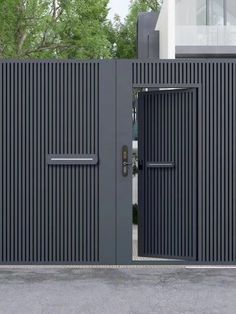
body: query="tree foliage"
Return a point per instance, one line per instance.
(53, 29)
(46, 29)
(124, 34)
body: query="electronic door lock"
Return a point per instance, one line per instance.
(125, 161)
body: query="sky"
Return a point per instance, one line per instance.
(119, 7)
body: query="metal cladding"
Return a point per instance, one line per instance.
(48, 213)
(167, 180)
(63, 198)
(215, 81)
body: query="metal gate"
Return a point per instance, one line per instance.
(64, 197)
(168, 174)
(214, 81)
(57, 188)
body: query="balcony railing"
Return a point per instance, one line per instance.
(205, 35)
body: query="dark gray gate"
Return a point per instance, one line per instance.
(57, 188)
(215, 81)
(81, 213)
(168, 174)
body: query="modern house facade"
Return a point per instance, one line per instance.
(197, 28)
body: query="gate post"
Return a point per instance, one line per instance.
(107, 162)
(124, 183)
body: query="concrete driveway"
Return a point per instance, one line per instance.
(133, 290)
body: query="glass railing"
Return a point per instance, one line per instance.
(205, 35)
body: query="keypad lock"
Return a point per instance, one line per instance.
(125, 161)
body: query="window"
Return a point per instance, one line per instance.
(206, 22)
(191, 12)
(231, 12)
(204, 12)
(216, 12)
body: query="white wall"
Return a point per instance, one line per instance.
(166, 27)
(135, 189)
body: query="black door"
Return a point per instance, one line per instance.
(168, 174)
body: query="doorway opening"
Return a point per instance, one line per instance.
(166, 221)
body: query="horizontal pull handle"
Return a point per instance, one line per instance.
(160, 164)
(72, 159)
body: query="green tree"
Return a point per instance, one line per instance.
(124, 34)
(54, 29)
(83, 29)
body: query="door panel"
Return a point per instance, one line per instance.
(167, 174)
(53, 161)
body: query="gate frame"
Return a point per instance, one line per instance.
(106, 81)
(125, 88)
(116, 96)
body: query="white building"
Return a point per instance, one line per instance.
(197, 28)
